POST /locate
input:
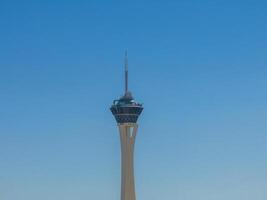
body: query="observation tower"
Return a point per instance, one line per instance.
(126, 112)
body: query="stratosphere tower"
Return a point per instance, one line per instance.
(126, 112)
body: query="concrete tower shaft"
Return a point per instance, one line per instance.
(127, 135)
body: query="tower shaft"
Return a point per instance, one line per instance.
(127, 135)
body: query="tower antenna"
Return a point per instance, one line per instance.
(126, 70)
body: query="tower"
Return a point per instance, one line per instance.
(126, 112)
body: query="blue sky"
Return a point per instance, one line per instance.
(199, 68)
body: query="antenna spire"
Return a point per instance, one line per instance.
(126, 70)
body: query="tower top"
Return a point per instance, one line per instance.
(125, 109)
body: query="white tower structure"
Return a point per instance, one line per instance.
(126, 112)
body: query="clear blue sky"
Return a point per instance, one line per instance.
(199, 67)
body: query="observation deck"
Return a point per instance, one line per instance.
(126, 110)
